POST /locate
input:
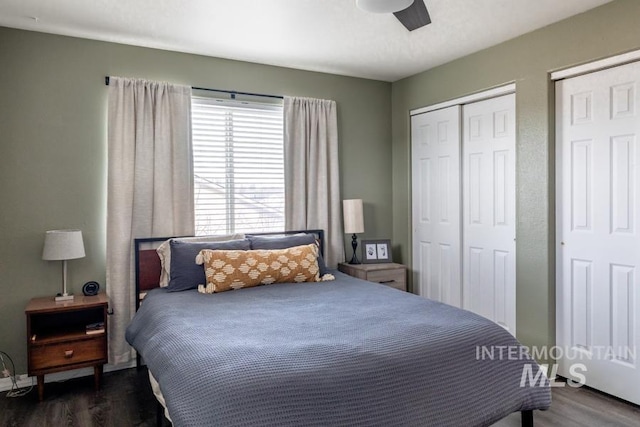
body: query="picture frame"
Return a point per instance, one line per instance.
(376, 251)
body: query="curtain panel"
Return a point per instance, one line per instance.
(312, 183)
(149, 184)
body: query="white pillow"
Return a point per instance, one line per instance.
(164, 252)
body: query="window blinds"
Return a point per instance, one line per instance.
(238, 166)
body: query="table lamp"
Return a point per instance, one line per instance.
(63, 245)
(353, 223)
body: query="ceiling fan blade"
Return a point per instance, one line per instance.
(415, 16)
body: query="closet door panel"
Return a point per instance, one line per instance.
(598, 251)
(488, 209)
(435, 145)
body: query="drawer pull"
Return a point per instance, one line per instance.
(386, 281)
(68, 354)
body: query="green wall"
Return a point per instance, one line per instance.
(53, 112)
(527, 60)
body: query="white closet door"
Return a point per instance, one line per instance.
(598, 188)
(435, 140)
(488, 254)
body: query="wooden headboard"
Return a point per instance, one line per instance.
(148, 266)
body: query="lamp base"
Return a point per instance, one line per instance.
(354, 245)
(63, 298)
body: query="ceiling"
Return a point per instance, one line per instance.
(331, 36)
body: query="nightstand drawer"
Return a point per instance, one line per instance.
(389, 274)
(62, 354)
(387, 277)
(402, 286)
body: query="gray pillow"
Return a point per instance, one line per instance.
(185, 274)
(284, 242)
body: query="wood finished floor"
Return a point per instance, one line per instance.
(126, 400)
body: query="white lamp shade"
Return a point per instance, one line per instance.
(353, 218)
(383, 6)
(60, 245)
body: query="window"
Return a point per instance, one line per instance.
(238, 166)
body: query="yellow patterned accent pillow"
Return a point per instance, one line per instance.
(235, 269)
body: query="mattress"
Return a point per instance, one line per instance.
(346, 352)
(155, 387)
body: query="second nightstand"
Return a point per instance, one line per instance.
(390, 274)
(66, 335)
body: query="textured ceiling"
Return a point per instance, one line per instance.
(332, 36)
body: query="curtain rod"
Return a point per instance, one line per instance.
(233, 93)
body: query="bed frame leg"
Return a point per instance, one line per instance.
(527, 418)
(159, 415)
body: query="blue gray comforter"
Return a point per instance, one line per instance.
(346, 353)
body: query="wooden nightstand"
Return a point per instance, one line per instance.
(58, 340)
(390, 274)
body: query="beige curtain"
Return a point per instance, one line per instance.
(150, 184)
(312, 183)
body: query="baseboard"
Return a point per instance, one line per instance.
(545, 370)
(24, 380)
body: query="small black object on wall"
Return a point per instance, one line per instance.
(90, 289)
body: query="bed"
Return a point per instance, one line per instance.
(340, 352)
